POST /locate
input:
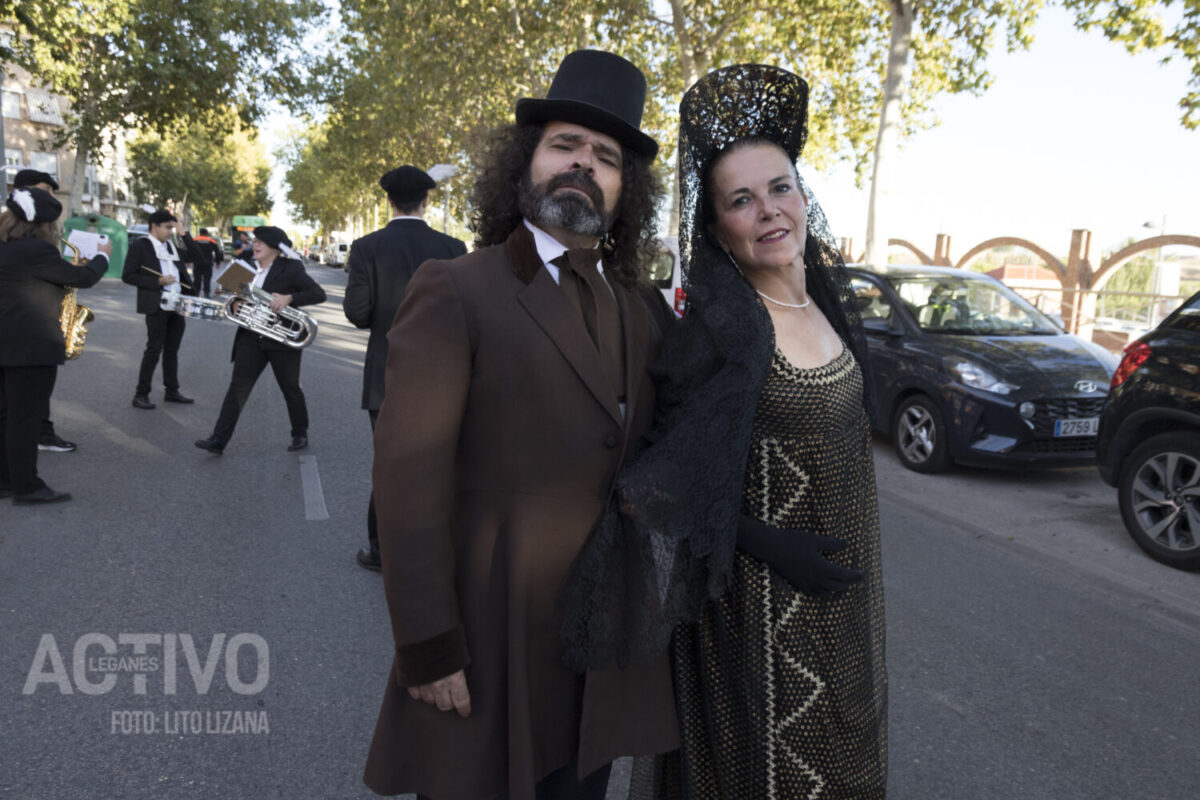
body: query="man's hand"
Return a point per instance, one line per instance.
(166, 280)
(280, 302)
(445, 693)
(105, 247)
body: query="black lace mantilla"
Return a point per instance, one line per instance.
(666, 543)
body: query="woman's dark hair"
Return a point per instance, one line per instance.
(13, 227)
(505, 160)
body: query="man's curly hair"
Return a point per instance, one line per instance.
(495, 211)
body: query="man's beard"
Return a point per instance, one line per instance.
(569, 210)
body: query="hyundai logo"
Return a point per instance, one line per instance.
(1085, 387)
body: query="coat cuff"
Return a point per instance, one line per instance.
(432, 659)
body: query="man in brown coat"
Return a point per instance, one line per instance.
(516, 384)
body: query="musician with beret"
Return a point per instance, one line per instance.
(33, 274)
(157, 265)
(380, 266)
(48, 439)
(282, 274)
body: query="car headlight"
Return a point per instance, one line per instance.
(977, 377)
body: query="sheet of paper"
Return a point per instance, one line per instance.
(87, 242)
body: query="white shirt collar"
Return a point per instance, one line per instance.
(406, 216)
(549, 248)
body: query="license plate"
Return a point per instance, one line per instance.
(1077, 427)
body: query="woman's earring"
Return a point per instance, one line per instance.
(734, 262)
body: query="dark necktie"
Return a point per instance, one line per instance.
(592, 298)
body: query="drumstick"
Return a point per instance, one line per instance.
(159, 274)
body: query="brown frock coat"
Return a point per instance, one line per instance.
(495, 451)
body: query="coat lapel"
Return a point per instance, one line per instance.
(546, 303)
(636, 334)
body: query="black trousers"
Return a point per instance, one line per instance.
(202, 278)
(563, 785)
(372, 522)
(164, 332)
(24, 403)
(251, 354)
(47, 431)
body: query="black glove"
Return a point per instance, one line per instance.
(796, 555)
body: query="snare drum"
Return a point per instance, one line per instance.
(169, 301)
(200, 308)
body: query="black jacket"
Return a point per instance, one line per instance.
(380, 265)
(141, 254)
(32, 277)
(287, 276)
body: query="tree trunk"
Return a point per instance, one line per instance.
(691, 73)
(78, 176)
(895, 88)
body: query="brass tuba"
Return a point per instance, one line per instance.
(73, 317)
(251, 309)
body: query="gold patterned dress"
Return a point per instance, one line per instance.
(782, 695)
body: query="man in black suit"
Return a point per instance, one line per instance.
(380, 265)
(208, 255)
(157, 266)
(282, 274)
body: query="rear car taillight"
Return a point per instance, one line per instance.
(1135, 355)
(680, 301)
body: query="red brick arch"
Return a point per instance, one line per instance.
(1113, 262)
(1053, 263)
(920, 254)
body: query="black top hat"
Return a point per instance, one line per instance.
(407, 184)
(31, 177)
(34, 205)
(597, 90)
(272, 237)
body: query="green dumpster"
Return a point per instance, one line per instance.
(98, 223)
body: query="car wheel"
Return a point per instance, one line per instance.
(1159, 495)
(919, 435)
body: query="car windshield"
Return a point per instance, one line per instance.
(971, 307)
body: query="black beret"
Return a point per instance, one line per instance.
(31, 177)
(34, 205)
(272, 237)
(160, 216)
(407, 184)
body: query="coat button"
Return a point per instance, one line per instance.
(610, 441)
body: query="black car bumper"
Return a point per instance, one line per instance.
(988, 430)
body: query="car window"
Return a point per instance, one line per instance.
(662, 268)
(871, 302)
(966, 306)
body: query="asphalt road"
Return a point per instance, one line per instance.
(1033, 651)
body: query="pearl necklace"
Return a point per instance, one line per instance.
(766, 296)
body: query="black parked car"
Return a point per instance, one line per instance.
(967, 371)
(1149, 446)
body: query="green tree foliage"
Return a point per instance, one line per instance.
(208, 175)
(422, 82)
(149, 64)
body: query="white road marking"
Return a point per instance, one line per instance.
(314, 498)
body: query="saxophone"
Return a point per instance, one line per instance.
(73, 317)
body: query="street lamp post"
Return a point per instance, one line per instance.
(1156, 274)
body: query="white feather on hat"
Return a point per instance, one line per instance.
(289, 252)
(149, 209)
(25, 200)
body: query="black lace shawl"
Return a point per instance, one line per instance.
(666, 542)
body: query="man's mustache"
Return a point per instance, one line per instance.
(578, 180)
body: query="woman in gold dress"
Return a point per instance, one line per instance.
(749, 524)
